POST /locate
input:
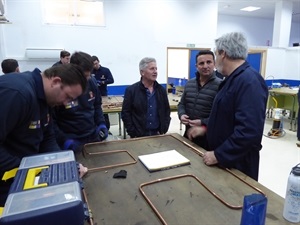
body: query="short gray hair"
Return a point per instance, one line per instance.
(145, 61)
(234, 44)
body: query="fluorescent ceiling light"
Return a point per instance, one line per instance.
(250, 8)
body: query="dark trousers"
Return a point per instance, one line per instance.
(107, 123)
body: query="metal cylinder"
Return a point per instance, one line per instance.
(291, 210)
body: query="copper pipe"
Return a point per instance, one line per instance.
(197, 151)
(110, 166)
(87, 204)
(86, 153)
(245, 182)
(228, 170)
(194, 149)
(130, 139)
(177, 177)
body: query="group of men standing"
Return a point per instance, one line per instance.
(226, 117)
(82, 120)
(60, 108)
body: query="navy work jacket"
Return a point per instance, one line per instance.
(236, 122)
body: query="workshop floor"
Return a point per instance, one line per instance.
(277, 156)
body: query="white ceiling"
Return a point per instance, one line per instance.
(232, 7)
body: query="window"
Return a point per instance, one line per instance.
(74, 12)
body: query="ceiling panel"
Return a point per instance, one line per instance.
(267, 11)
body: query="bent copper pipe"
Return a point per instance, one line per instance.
(110, 166)
(87, 204)
(86, 153)
(177, 177)
(128, 140)
(197, 151)
(173, 178)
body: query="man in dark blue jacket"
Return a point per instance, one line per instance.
(236, 122)
(103, 77)
(64, 58)
(10, 66)
(146, 109)
(81, 121)
(25, 121)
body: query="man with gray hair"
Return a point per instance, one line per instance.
(235, 127)
(146, 109)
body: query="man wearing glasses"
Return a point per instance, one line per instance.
(25, 123)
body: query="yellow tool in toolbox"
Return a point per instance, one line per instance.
(46, 190)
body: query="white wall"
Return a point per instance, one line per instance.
(292, 64)
(295, 34)
(273, 68)
(281, 63)
(258, 31)
(134, 29)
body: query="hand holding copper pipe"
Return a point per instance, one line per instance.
(209, 158)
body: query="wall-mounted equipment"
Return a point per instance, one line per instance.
(43, 53)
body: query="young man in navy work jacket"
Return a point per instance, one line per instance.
(25, 122)
(103, 77)
(64, 58)
(81, 121)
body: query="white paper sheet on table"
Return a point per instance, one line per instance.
(163, 160)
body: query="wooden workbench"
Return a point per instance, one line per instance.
(173, 101)
(113, 104)
(180, 201)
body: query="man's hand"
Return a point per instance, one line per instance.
(82, 170)
(102, 131)
(71, 144)
(184, 119)
(193, 123)
(196, 131)
(209, 158)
